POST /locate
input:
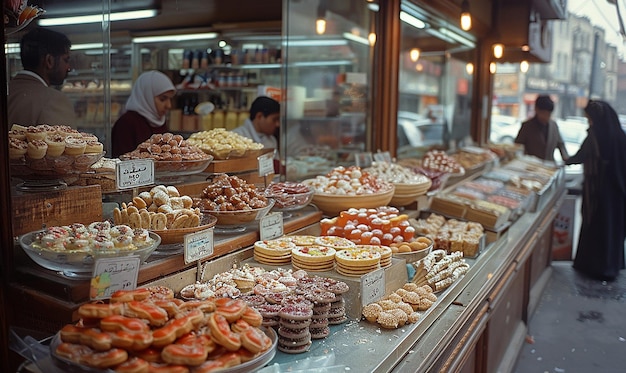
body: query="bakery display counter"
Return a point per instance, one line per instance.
(42, 289)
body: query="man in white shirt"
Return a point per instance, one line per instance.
(33, 99)
(263, 122)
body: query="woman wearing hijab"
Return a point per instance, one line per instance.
(149, 102)
(600, 252)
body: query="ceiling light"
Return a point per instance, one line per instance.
(372, 38)
(469, 68)
(498, 50)
(415, 22)
(95, 18)
(414, 54)
(523, 66)
(182, 37)
(320, 22)
(493, 68)
(466, 17)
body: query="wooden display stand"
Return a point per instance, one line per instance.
(245, 167)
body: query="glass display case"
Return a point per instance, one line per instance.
(328, 82)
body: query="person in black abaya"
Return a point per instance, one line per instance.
(600, 252)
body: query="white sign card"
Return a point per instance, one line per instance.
(113, 274)
(266, 164)
(198, 245)
(135, 173)
(383, 157)
(372, 286)
(271, 226)
(363, 159)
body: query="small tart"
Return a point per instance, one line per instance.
(17, 148)
(36, 149)
(94, 146)
(56, 144)
(357, 258)
(276, 247)
(313, 254)
(334, 242)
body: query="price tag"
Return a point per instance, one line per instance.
(372, 286)
(198, 245)
(382, 157)
(271, 226)
(266, 164)
(113, 274)
(135, 173)
(363, 159)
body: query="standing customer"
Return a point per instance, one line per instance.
(600, 252)
(263, 122)
(146, 109)
(540, 134)
(33, 99)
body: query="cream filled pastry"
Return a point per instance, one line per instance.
(75, 145)
(36, 149)
(35, 133)
(56, 144)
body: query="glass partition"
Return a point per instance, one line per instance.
(435, 83)
(327, 81)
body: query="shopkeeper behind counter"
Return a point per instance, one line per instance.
(33, 98)
(263, 122)
(146, 110)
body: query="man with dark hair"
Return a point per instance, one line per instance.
(540, 135)
(33, 99)
(263, 122)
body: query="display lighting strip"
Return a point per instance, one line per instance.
(182, 37)
(409, 19)
(456, 37)
(14, 48)
(356, 38)
(95, 18)
(315, 43)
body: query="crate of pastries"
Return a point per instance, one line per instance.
(451, 235)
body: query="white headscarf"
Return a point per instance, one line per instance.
(149, 85)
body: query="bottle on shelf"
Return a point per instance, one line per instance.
(231, 117)
(218, 117)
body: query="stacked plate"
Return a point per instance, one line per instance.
(407, 193)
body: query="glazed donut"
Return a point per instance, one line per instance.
(221, 333)
(167, 368)
(176, 328)
(147, 311)
(100, 310)
(93, 338)
(133, 365)
(197, 339)
(222, 362)
(123, 296)
(252, 316)
(184, 354)
(171, 306)
(252, 340)
(131, 341)
(119, 322)
(150, 354)
(73, 351)
(231, 309)
(105, 359)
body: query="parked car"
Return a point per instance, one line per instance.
(504, 128)
(416, 130)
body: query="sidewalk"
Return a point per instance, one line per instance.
(579, 326)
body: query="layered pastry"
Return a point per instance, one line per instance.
(17, 148)
(75, 146)
(93, 146)
(56, 144)
(36, 149)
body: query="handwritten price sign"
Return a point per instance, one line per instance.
(113, 274)
(372, 286)
(271, 226)
(198, 245)
(266, 164)
(135, 173)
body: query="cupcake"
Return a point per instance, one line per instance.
(36, 149)
(17, 148)
(56, 144)
(35, 133)
(75, 146)
(94, 146)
